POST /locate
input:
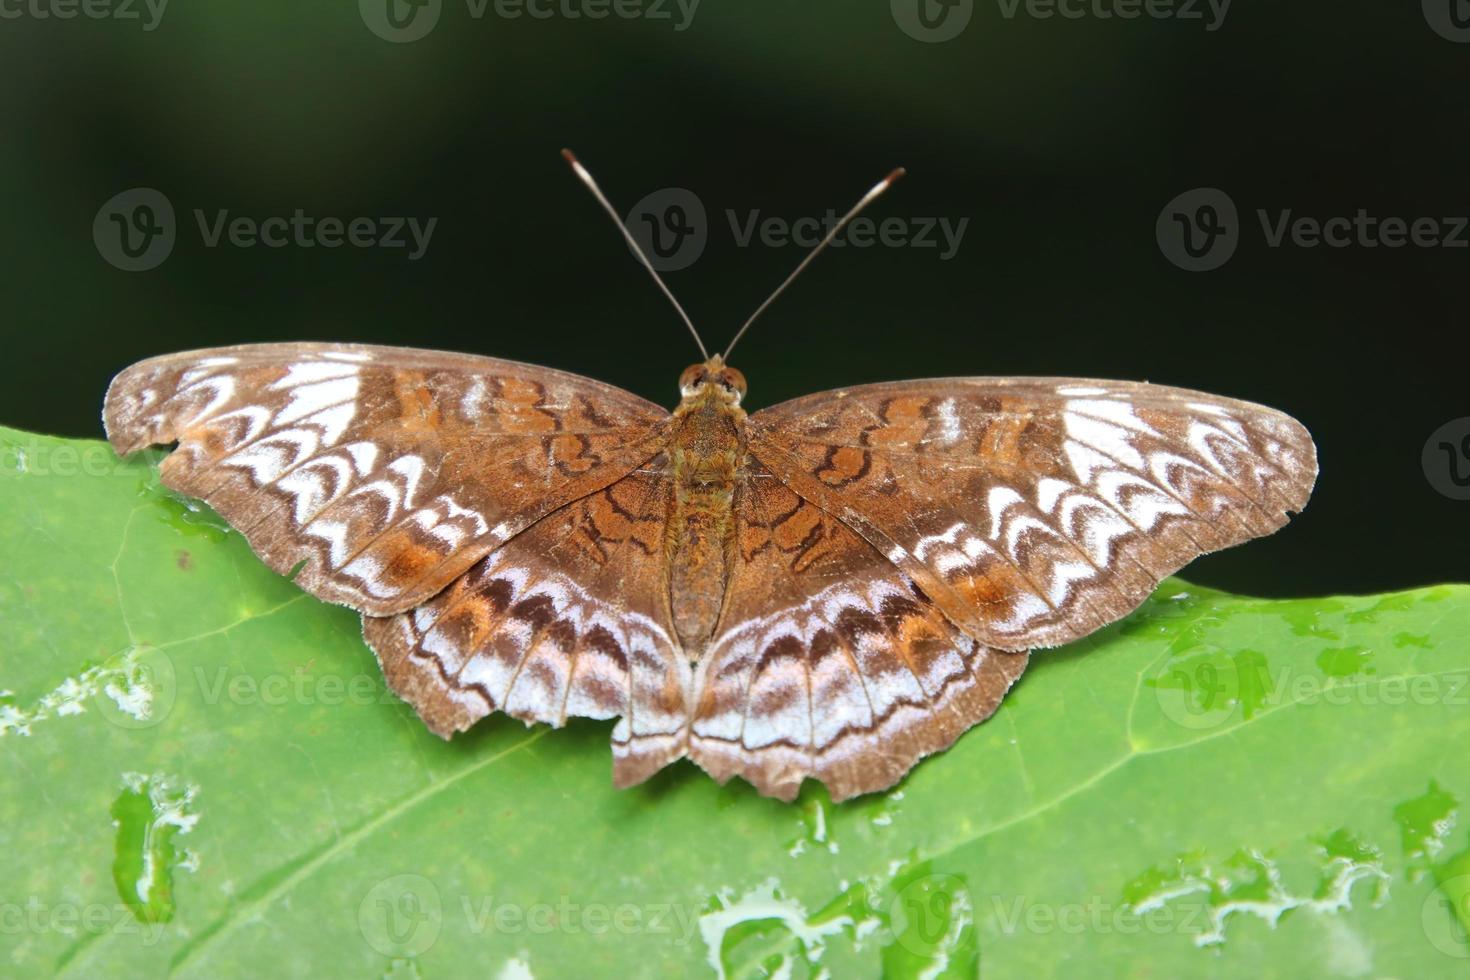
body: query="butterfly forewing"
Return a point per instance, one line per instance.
(383, 472)
(1034, 510)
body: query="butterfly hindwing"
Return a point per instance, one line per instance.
(828, 662)
(1036, 510)
(569, 618)
(383, 472)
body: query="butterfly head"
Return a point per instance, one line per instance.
(712, 377)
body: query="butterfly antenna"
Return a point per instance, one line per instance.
(867, 199)
(586, 178)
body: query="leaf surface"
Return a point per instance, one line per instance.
(205, 775)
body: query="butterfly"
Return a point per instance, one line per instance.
(831, 588)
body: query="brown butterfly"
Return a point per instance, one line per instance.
(833, 587)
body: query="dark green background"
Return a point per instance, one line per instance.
(1060, 139)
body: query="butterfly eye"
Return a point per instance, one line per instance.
(692, 375)
(734, 380)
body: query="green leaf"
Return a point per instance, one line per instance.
(204, 774)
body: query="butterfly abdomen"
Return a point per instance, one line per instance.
(705, 454)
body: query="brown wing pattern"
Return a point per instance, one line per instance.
(505, 531)
(1035, 510)
(828, 662)
(570, 618)
(385, 472)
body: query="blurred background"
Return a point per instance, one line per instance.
(1065, 154)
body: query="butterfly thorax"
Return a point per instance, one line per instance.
(706, 451)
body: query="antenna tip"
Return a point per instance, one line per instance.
(881, 186)
(577, 167)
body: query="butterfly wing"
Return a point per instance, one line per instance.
(827, 661)
(570, 617)
(1033, 511)
(383, 472)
